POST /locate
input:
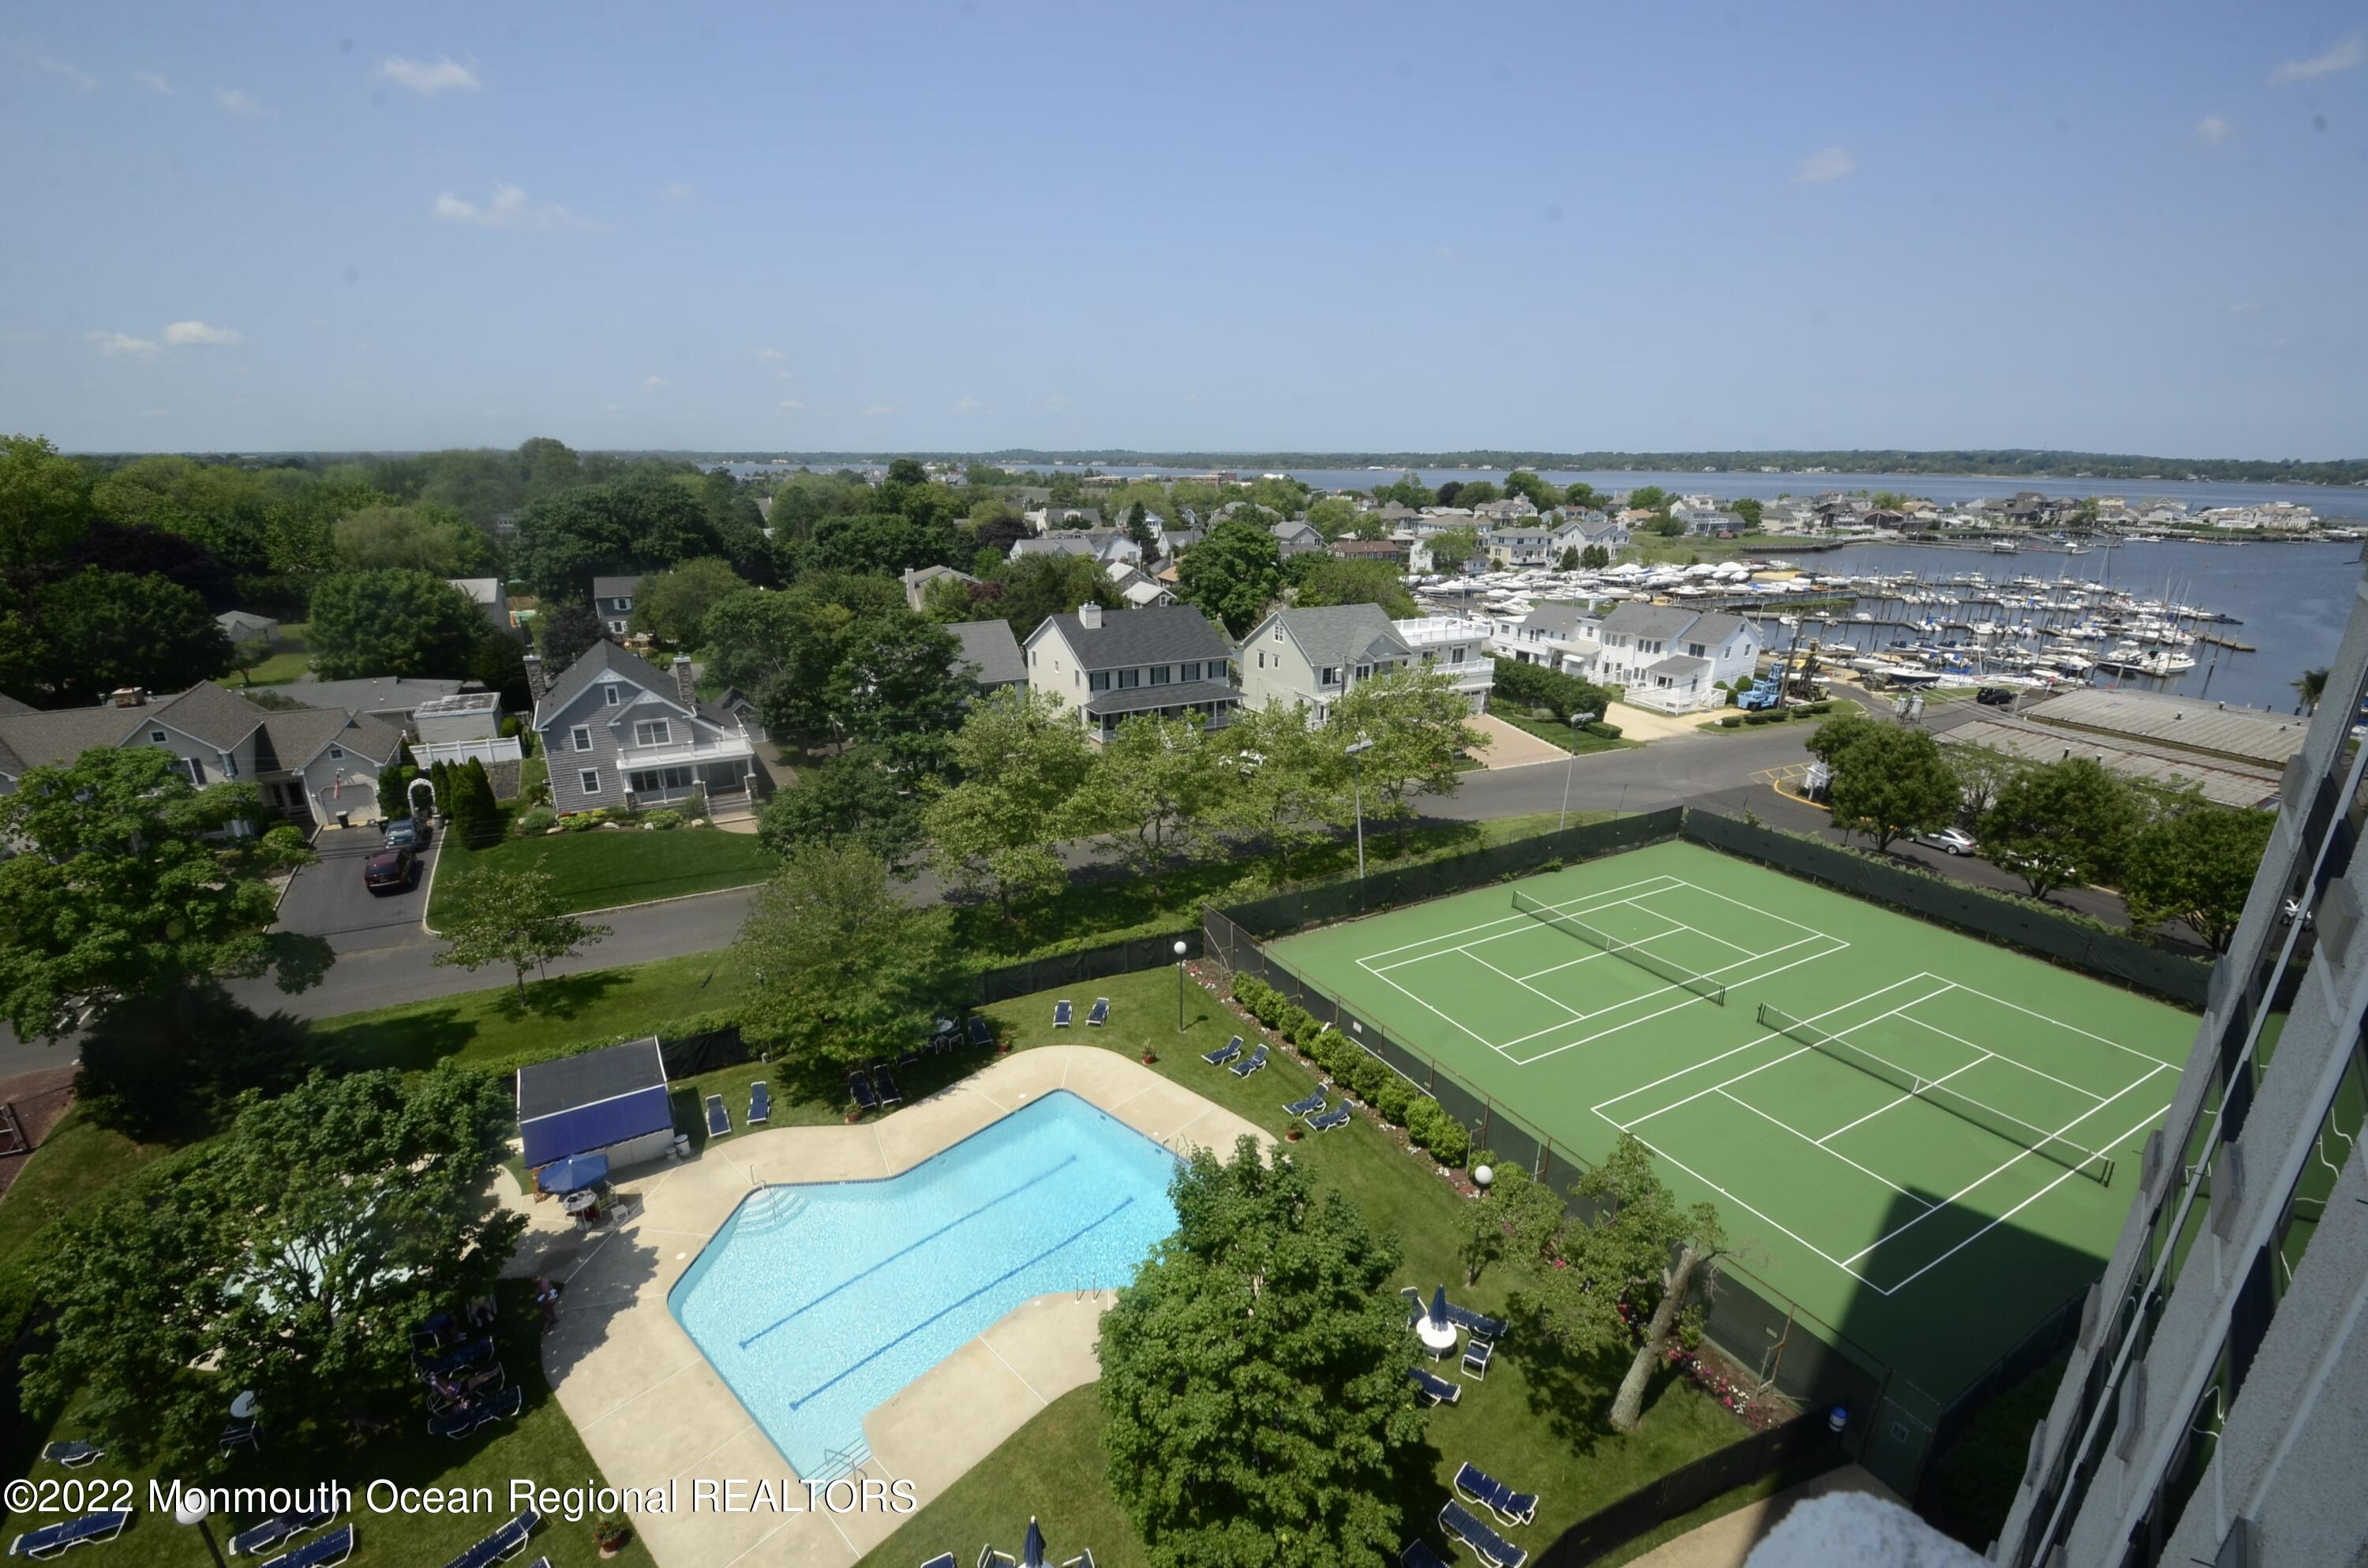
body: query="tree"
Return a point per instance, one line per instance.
(292, 1256)
(568, 631)
(1418, 722)
(1158, 786)
(1569, 561)
(851, 799)
(1037, 588)
(884, 545)
(1477, 493)
(1525, 483)
(1292, 785)
(1231, 574)
(467, 801)
(1514, 1207)
(672, 605)
(1648, 498)
(1893, 782)
(2060, 824)
(1750, 510)
(514, 917)
(1138, 529)
(415, 539)
(1253, 1377)
(1335, 516)
(1328, 580)
(1579, 493)
(640, 523)
(840, 968)
(44, 503)
(1980, 771)
(1451, 548)
(2311, 686)
(391, 622)
(1829, 739)
(94, 631)
(1022, 759)
(121, 888)
(899, 682)
(1594, 558)
(2196, 865)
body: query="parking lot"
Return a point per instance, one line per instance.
(330, 902)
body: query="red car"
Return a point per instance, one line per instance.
(389, 869)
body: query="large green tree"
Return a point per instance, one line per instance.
(44, 503)
(2196, 865)
(1022, 760)
(393, 622)
(1892, 782)
(291, 1257)
(496, 917)
(672, 606)
(643, 523)
(1159, 789)
(417, 539)
(851, 798)
(1328, 580)
(91, 632)
(1253, 1376)
(1293, 783)
(1450, 548)
(129, 880)
(1036, 587)
(839, 968)
(1335, 516)
(1233, 575)
(1418, 722)
(2061, 824)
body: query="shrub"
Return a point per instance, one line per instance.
(1422, 1120)
(1731, 721)
(1393, 1100)
(1248, 989)
(663, 819)
(536, 821)
(584, 821)
(1371, 1077)
(1608, 731)
(1452, 1141)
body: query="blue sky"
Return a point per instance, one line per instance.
(973, 223)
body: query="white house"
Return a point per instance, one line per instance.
(1672, 658)
(1563, 637)
(1316, 656)
(1108, 665)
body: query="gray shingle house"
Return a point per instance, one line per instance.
(617, 733)
(990, 649)
(1317, 657)
(1107, 665)
(612, 601)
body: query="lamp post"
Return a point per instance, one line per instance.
(1578, 722)
(1357, 762)
(1179, 987)
(191, 1510)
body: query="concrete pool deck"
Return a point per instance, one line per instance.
(653, 1411)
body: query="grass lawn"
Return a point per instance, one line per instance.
(601, 869)
(1562, 736)
(1537, 1421)
(290, 659)
(540, 1446)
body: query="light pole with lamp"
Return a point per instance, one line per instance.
(1356, 754)
(1577, 723)
(1179, 987)
(191, 1510)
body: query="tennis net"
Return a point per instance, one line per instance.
(2048, 1145)
(1701, 985)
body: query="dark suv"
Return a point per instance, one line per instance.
(389, 870)
(1994, 696)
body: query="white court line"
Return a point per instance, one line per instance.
(1707, 973)
(1522, 919)
(1750, 1045)
(1870, 1116)
(2043, 1017)
(1839, 947)
(1501, 1047)
(2150, 1121)
(1718, 1088)
(2009, 1060)
(1763, 914)
(1815, 1144)
(1594, 953)
(1527, 924)
(2020, 1156)
(1486, 1043)
(1747, 1206)
(1575, 1014)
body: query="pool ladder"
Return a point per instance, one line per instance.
(1086, 1285)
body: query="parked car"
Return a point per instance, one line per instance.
(389, 870)
(1948, 841)
(406, 833)
(1994, 696)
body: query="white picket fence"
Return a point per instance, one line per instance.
(504, 748)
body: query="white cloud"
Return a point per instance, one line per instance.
(240, 104)
(785, 375)
(968, 405)
(153, 81)
(768, 356)
(2344, 56)
(81, 78)
(1832, 164)
(2213, 131)
(429, 77)
(878, 410)
(116, 346)
(2249, 307)
(678, 191)
(192, 334)
(655, 382)
(791, 405)
(511, 208)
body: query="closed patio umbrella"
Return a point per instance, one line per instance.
(1439, 1306)
(1031, 1551)
(574, 1174)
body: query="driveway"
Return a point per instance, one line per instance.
(1512, 748)
(329, 900)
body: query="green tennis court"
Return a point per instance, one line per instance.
(1922, 1139)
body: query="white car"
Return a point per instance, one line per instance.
(1948, 841)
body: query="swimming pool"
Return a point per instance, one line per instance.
(818, 1303)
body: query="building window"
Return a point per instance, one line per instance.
(1455, 655)
(1129, 680)
(1696, 649)
(1330, 676)
(157, 736)
(1192, 672)
(580, 737)
(1098, 681)
(587, 780)
(653, 733)
(1163, 675)
(337, 754)
(1277, 630)
(614, 694)
(1364, 670)
(657, 781)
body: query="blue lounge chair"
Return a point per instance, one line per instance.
(1418, 1554)
(1223, 1054)
(1476, 1485)
(1435, 1389)
(760, 1103)
(1312, 1105)
(1336, 1117)
(942, 1559)
(987, 1556)
(453, 1360)
(1082, 1560)
(1101, 1014)
(859, 1085)
(719, 1119)
(883, 1084)
(74, 1453)
(258, 1538)
(241, 1434)
(1480, 1323)
(1462, 1524)
(1061, 1013)
(505, 1542)
(982, 1033)
(458, 1424)
(331, 1549)
(52, 1539)
(1476, 1351)
(1248, 1064)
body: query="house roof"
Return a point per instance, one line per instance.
(607, 656)
(236, 621)
(1159, 634)
(1390, 548)
(1143, 699)
(1291, 528)
(370, 694)
(1649, 620)
(1678, 664)
(297, 737)
(207, 712)
(1340, 634)
(1556, 618)
(922, 577)
(484, 590)
(43, 739)
(616, 588)
(1715, 628)
(990, 646)
(10, 705)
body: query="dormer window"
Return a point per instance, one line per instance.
(615, 693)
(156, 736)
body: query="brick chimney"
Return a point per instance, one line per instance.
(128, 696)
(537, 685)
(1089, 616)
(686, 685)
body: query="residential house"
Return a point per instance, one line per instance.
(1526, 543)
(1174, 541)
(612, 600)
(1316, 656)
(1563, 637)
(1394, 550)
(620, 732)
(1104, 545)
(992, 652)
(1136, 589)
(917, 581)
(1672, 658)
(1048, 517)
(318, 767)
(391, 699)
(463, 716)
(1296, 536)
(1457, 645)
(1580, 529)
(245, 626)
(1108, 665)
(490, 595)
(1510, 509)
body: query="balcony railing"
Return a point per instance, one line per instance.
(677, 754)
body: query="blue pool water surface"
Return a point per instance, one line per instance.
(818, 1303)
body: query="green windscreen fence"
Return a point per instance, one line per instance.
(1701, 985)
(2048, 1145)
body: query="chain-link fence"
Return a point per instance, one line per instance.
(1111, 958)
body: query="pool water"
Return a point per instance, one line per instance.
(818, 1303)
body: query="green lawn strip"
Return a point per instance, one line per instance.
(289, 660)
(602, 868)
(1561, 735)
(540, 1446)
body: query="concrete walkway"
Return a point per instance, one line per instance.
(1727, 1541)
(651, 1409)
